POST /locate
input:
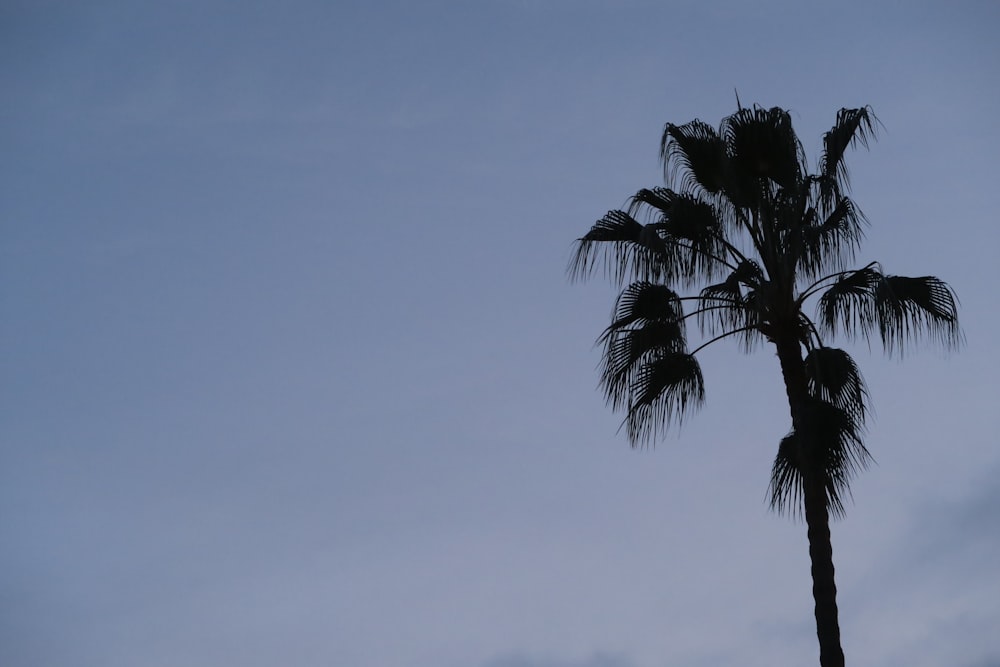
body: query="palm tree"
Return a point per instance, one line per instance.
(761, 235)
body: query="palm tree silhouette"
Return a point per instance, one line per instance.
(761, 235)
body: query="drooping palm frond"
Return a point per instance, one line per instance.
(627, 247)
(750, 274)
(848, 303)
(785, 488)
(909, 308)
(665, 388)
(646, 301)
(626, 349)
(852, 126)
(900, 309)
(692, 219)
(693, 237)
(684, 242)
(828, 448)
(658, 199)
(761, 145)
(645, 366)
(733, 303)
(834, 377)
(693, 156)
(717, 302)
(828, 244)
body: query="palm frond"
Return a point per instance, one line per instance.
(692, 219)
(762, 145)
(693, 156)
(626, 246)
(626, 349)
(827, 447)
(732, 303)
(785, 488)
(659, 199)
(692, 233)
(834, 377)
(901, 309)
(853, 126)
(664, 390)
(830, 244)
(849, 304)
(645, 301)
(909, 308)
(648, 322)
(728, 291)
(755, 325)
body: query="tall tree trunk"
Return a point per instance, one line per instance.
(824, 587)
(816, 511)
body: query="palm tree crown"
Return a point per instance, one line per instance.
(742, 237)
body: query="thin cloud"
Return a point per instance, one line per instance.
(938, 584)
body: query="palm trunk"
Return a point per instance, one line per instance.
(816, 512)
(824, 587)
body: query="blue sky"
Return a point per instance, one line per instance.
(293, 373)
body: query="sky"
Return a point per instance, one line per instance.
(293, 373)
